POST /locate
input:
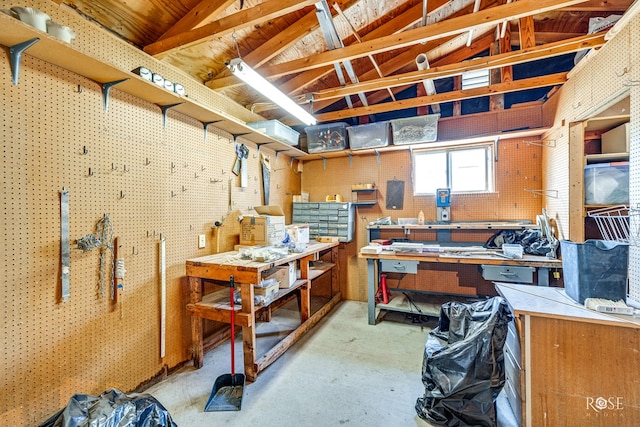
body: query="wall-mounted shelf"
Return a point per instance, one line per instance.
(371, 195)
(524, 133)
(607, 157)
(49, 49)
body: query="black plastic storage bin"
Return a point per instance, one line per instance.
(463, 367)
(595, 269)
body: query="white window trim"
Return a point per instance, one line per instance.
(491, 175)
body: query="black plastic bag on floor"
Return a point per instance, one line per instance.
(112, 408)
(463, 365)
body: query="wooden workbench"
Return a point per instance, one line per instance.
(220, 268)
(573, 366)
(541, 264)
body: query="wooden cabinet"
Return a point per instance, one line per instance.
(569, 366)
(593, 171)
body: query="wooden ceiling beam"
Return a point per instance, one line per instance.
(196, 16)
(263, 12)
(274, 46)
(453, 26)
(510, 58)
(527, 32)
(513, 86)
(441, 10)
(436, 58)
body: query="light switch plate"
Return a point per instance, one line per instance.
(201, 241)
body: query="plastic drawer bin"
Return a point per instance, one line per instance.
(328, 137)
(413, 130)
(276, 130)
(606, 183)
(595, 269)
(371, 135)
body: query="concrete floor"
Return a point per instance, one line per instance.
(343, 372)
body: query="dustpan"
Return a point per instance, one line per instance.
(227, 391)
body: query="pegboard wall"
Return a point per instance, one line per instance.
(152, 182)
(599, 80)
(517, 169)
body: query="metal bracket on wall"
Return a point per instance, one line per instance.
(548, 193)
(205, 124)
(324, 162)
(350, 159)
(238, 135)
(106, 90)
(15, 54)
(377, 156)
(278, 152)
(258, 145)
(164, 109)
(543, 143)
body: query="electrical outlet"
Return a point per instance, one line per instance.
(201, 241)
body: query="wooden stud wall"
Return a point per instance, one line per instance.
(151, 181)
(518, 169)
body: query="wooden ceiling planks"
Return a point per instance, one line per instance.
(276, 45)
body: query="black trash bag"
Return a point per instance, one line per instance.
(463, 365)
(532, 241)
(112, 408)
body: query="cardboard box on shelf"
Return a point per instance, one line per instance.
(299, 233)
(280, 275)
(266, 291)
(267, 228)
(616, 140)
(291, 274)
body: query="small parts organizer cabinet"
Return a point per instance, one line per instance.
(567, 365)
(326, 219)
(218, 268)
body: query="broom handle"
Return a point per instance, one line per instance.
(233, 321)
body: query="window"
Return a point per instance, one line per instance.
(462, 169)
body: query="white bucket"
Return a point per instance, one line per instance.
(33, 17)
(61, 32)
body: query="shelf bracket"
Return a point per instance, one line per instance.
(15, 53)
(260, 144)
(548, 193)
(238, 135)
(205, 125)
(377, 156)
(165, 109)
(350, 160)
(106, 90)
(544, 143)
(324, 162)
(278, 152)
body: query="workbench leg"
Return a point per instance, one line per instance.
(305, 303)
(249, 333)
(335, 272)
(195, 287)
(371, 292)
(543, 276)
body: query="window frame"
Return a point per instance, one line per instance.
(490, 177)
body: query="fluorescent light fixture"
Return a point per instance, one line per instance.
(262, 85)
